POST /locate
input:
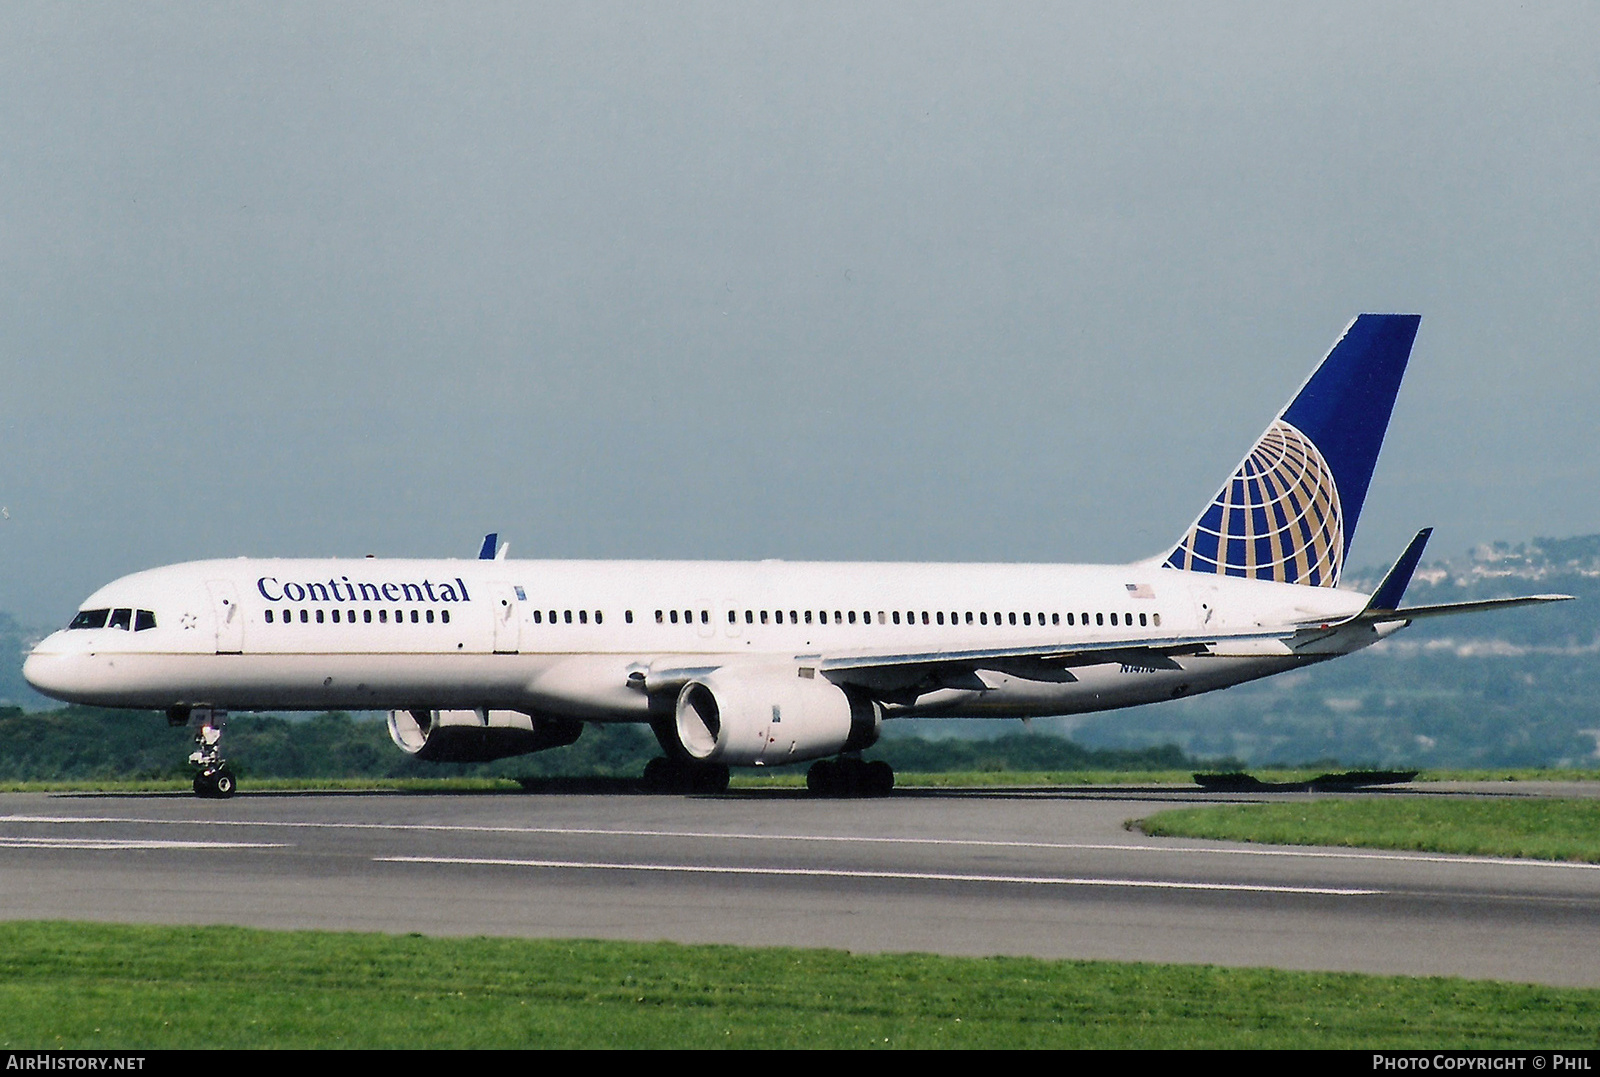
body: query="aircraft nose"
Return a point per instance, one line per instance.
(52, 673)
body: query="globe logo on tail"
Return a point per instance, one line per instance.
(1277, 518)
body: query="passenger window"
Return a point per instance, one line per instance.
(852, 616)
(335, 616)
(430, 617)
(320, 618)
(444, 615)
(749, 617)
(1099, 618)
(763, 616)
(596, 616)
(1141, 620)
(269, 617)
(896, 616)
(583, 617)
(969, 617)
(627, 615)
(288, 615)
(674, 615)
(538, 617)
(1158, 620)
(566, 616)
(1027, 618)
(660, 617)
(366, 616)
(413, 616)
(1013, 618)
(983, 617)
(939, 616)
(383, 617)
(808, 616)
(305, 616)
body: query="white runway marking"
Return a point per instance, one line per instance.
(836, 873)
(131, 843)
(1115, 847)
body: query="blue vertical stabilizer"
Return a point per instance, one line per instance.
(1289, 511)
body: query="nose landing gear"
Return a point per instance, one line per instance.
(214, 781)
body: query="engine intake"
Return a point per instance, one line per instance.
(478, 736)
(771, 716)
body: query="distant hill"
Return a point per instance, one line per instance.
(1506, 688)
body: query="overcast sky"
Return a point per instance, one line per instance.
(865, 281)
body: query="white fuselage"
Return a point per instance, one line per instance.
(589, 639)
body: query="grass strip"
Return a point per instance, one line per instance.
(96, 986)
(1541, 828)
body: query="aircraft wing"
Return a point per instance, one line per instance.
(891, 675)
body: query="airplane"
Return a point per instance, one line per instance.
(766, 663)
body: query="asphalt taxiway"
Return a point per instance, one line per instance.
(1050, 873)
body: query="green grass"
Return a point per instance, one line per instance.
(105, 986)
(1542, 828)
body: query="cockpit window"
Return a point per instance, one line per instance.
(143, 619)
(121, 619)
(90, 619)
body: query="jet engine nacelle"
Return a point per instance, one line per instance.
(477, 736)
(771, 716)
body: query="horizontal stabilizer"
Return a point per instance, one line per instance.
(1448, 609)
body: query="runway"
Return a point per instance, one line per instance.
(1046, 873)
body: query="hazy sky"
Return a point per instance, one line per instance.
(877, 281)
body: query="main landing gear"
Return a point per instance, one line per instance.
(848, 776)
(214, 780)
(673, 776)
